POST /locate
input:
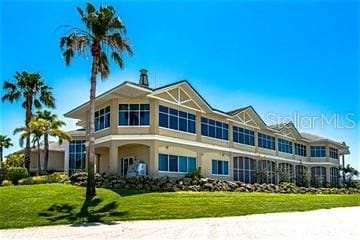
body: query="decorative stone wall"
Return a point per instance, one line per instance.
(166, 184)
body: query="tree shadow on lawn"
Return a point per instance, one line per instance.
(128, 192)
(87, 214)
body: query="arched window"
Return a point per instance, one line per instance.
(244, 169)
(318, 176)
(285, 172)
(266, 172)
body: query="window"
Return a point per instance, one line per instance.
(134, 114)
(285, 145)
(244, 136)
(176, 164)
(266, 141)
(77, 155)
(214, 129)
(102, 118)
(300, 175)
(334, 176)
(318, 176)
(266, 173)
(333, 152)
(318, 151)
(285, 172)
(244, 169)
(220, 167)
(300, 150)
(177, 120)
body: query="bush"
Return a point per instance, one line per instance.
(6, 183)
(52, 178)
(26, 181)
(196, 173)
(14, 174)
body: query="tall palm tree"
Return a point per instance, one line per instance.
(103, 31)
(32, 90)
(5, 142)
(33, 132)
(51, 127)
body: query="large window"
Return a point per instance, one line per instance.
(102, 118)
(334, 176)
(244, 136)
(220, 167)
(266, 141)
(300, 150)
(266, 172)
(286, 173)
(318, 151)
(77, 155)
(318, 176)
(134, 114)
(176, 164)
(333, 152)
(285, 146)
(177, 120)
(214, 129)
(244, 169)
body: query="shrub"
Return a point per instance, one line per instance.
(14, 174)
(7, 183)
(26, 181)
(57, 177)
(196, 173)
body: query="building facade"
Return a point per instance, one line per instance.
(173, 130)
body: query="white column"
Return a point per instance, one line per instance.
(66, 156)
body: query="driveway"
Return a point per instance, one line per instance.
(337, 223)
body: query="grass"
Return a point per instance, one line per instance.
(49, 204)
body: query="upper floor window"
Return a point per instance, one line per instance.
(318, 151)
(177, 120)
(244, 136)
(102, 118)
(134, 114)
(285, 145)
(220, 167)
(333, 152)
(266, 141)
(214, 129)
(300, 149)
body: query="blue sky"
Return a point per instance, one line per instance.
(280, 57)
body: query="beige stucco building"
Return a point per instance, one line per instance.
(172, 129)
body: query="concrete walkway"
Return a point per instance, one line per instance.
(337, 223)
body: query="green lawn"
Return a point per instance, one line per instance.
(35, 205)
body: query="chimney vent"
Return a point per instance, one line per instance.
(144, 81)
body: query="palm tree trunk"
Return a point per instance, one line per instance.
(46, 149)
(1, 156)
(28, 147)
(38, 156)
(90, 189)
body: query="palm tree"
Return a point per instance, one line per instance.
(31, 89)
(103, 31)
(51, 127)
(5, 142)
(33, 130)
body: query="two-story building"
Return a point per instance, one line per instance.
(173, 130)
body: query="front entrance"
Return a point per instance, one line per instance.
(125, 162)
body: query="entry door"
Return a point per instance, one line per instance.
(125, 162)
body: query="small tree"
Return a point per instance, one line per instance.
(349, 173)
(5, 142)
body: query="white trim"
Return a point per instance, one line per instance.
(214, 138)
(102, 130)
(198, 144)
(176, 103)
(221, 175)
(134, 126)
